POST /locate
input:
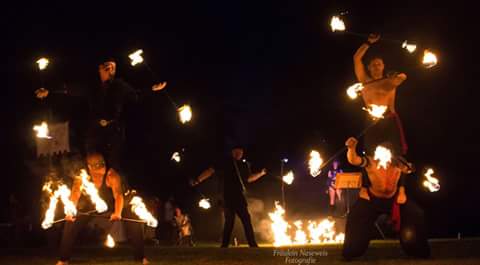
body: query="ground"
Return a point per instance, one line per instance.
(445, 252)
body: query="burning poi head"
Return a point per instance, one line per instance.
(383, 155)
(376, 111)
(315, 163)
(204, 204)
(139, 208)
(109, 242)
(136, 57)
(288, 178)
(62, 192)
(431, 183)
(42, 130)
(185, 113)
(354, 90)
(429, 59)
(42, 63)
(411, 48)
(176, 157)
(337, 24)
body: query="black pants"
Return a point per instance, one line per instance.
(361, 221)
(134, 233)
(241, 210)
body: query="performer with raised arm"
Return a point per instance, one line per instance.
(234, 173)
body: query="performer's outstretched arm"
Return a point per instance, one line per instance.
(114, 181)
(255, 176)
(203, 176)
(360, 72)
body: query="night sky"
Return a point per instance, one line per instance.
(268, 75)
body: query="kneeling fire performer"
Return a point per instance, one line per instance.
(382, 194)
(109, 186)
(233, 171)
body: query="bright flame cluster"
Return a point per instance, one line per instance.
(288, 178)
(204, 204)
(42, 130)
(429, 59)
(42, 63)
(431, 183)
(315, 163)
(337, 24)
(376, 111)
(89, 188)
(317, 233)
(354, 90)
(383, 156)
(136, 57)
(62, 193)
(411, 48)
(185, 113)
(139, 208)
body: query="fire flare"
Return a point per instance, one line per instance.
(315, 163)
(109, 242)
(376, 111)
(42, 130)
(431, 183)
(136, 57)
(383, 156)
(90, 189)
(63, 193)
(288, 178)
(429, 59)
(204, 204)
(354, 90)
(139, 208)
(42, 63)
(411, 48)
(185, 113)
(337, 24)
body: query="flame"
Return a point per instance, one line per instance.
(62, 193)
(411, 48)
(139, 208)
(376, 111)
(110, 243)
(288, 178)
(337, 24)
(315, 163)
(429, 59)
(89, 188)
(42, 63)
(316, 233)
(185, 113)
(176, 157)
(204, 204)
(383, 155)
(42, 130)
(431, 183)
(136, 57)
(354, 90)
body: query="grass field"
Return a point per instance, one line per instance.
(444, 252)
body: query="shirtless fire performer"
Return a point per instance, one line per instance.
(380, 198)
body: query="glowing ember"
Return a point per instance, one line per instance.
(176, 157)
(139, 208)
(383, 156)
(110, 243)
(204, 204)
(185, 113)
(354, 90)
(136, 57)
(409, 47)
(315, 163)
(42, 63)
(90, 189)
(288, 179)
(429, 59)
(317, 233)
(42, 130)
(376, 111)
(431, 183)
(337, 24)
(62, 192)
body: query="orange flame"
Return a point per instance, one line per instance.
(89, 188)
(139, 208)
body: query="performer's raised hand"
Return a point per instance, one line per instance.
(115, 217)
(264, 171)
(70, 218)
(351, 142)
(159, 86)
(364, 194)
(41, 93)
(401, 197)
(372, 38)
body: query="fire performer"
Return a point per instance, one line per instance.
(109, 185)
(380, 90)
(332, 191)
(381, 198)
(233, 171)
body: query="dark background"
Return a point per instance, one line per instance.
(269, 75)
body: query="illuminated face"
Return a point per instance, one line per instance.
(106, 70)
(237, 153)
(376, 67)
(96, 164)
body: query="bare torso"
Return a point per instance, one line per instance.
(381, 92)
(383, 181)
